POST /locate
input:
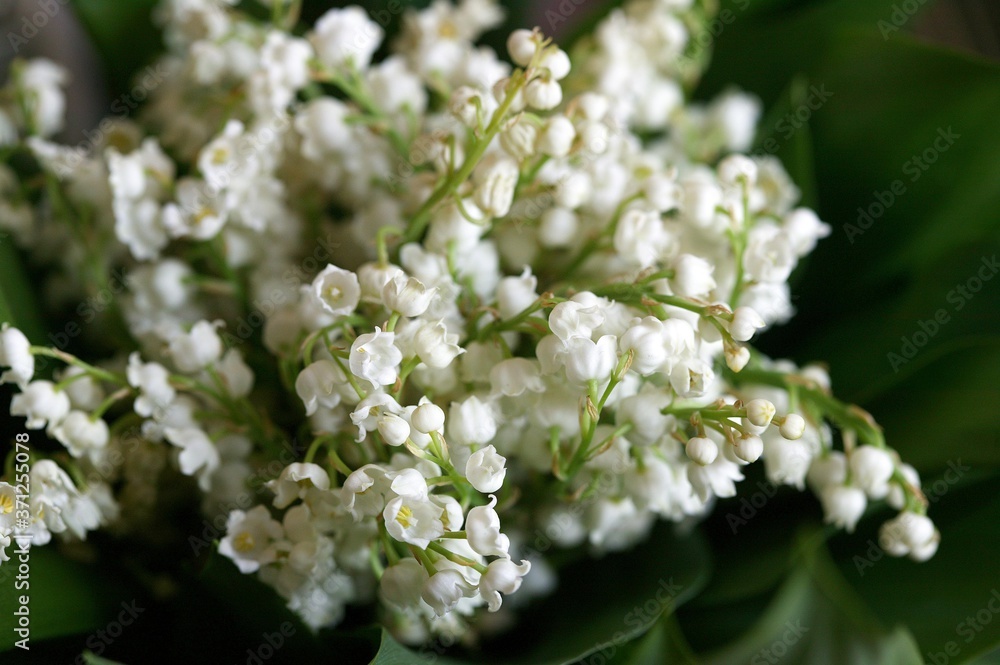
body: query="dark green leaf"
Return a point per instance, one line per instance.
(947, 599)
(816, 619)
(65, 597)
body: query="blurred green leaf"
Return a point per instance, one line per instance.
(65, 597)
(662, 644)
(940, 599)
(816, 619)
(124, 35)
(91, 659)
(17, 301)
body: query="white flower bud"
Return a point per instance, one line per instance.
(81, 435)
(692, 276)
(153, 381)
(500, 94)
(737, 356)
(444, 589)
(501, 576)
(844, 505)
(482, 528)
(394, 429)
(519, 139)
(826, 470)
(495, 179)
(736, 168)
(407, 295)
(543, 93)
(435, 346)
(196, 350)
(594, 137)
(427, 418)
(700, 197)
(793, 426)
(346, 35)
(871, 469)
(760, 412)
(746, 322)
(465, 104)
(316, 385)
(641, 237)
(587, 360)
(522, 46)
(573, 191)
(558, 228)
(471, 422)
(557, 62)
(15, 354)
(402, 584)
(516, 294)
(513, 376)
(645, 338)
(556, 139)
(486, 470)
(701, 450)
(337, 290)
(295, 481)
(749, 448)
(41, 404)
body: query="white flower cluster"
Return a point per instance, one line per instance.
(527, 316)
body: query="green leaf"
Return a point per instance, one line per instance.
(816, 619)
(91, 659)
(662, 644)
(65, 597)
(17, 301)
(123, 34)
(610, 601)
(937, 598)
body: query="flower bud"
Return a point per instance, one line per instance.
(844, 505)
(486, 470)
(407, 295)
(746, 322)
(871, 469)
(701, 450)
(556, 139)
(482, 528)
(749, 448)
(793, 426)
(522, 46)
(444, 589)
(760, 412)
(692, 276)
(427, 418)
(543, 93)
(394, 429)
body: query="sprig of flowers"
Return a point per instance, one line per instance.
(537, 309)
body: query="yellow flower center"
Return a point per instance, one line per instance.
(403, 517)
(243, 542)
(6, 504)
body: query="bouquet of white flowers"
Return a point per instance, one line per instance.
(388, 318)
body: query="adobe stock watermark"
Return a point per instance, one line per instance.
(901, 13)
(793, 121)
(958, 298)
(149, 80)
(98, 642)
(794, 630)
(34, 22)
(915, 168)
(969, 629)
(639, 617)
(751, 505)
(270, 644)
(703, 40)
